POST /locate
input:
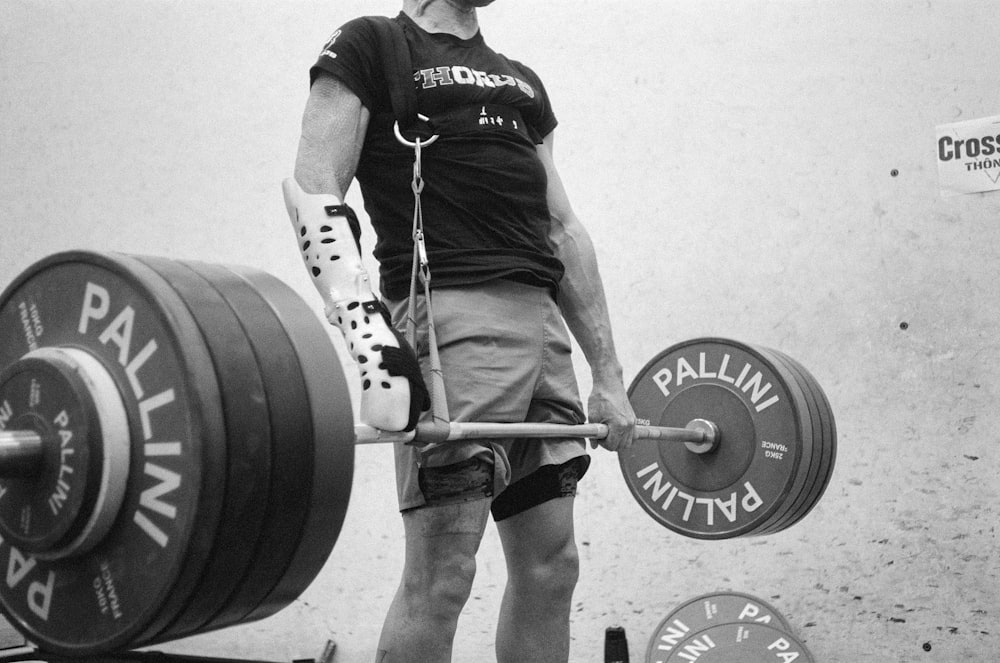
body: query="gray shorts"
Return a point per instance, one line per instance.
(505, 356)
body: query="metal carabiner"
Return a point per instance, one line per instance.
(413, 144)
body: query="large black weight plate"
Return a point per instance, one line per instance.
(787, 517)
(830, 447)
(332, 456)
(701, 612)
(827, 436)
(830, 457)
(812, 445)
(291, 443)
(248, 452)
(741, 642)
(138, 328)
(738, 488)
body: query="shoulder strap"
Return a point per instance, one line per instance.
(398, 68)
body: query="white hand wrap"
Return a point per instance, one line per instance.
(331, 254)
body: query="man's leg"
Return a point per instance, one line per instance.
(542, 570)
(440, 564)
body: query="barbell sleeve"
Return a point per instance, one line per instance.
(21, 453)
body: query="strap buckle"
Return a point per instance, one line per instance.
(417, 143)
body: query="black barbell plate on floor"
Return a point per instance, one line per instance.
(698, 613)
(248, 452)
(291, 439)
(812, 442)
(821, 478)
(740, 486)
(115, 309)
(740, 642)
(333, 438)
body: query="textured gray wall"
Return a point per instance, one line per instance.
(733, 161)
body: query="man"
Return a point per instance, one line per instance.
(509, 262)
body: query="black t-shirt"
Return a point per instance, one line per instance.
(484, 206)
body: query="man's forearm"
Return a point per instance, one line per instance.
(583, 302)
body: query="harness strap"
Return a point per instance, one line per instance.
(398, 69)
(421, 271)
(470, 119)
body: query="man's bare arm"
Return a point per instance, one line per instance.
(584, 307)
(333, 131)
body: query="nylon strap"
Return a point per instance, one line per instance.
(397, 67)
(421, 271)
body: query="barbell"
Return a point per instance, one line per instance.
(177, 447)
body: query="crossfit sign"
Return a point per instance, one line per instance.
(968, 156)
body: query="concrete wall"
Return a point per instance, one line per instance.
(735, 162)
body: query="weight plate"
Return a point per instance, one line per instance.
(44, 512)
(736, 489)
(130, 320)
(291, 442)
(830, 456)
(828, 437)
(740, 642)
(701, 612)
(812, 445)
(69, 398)
(830, 459)
(788, 516)
(248, 452)
(329, 484)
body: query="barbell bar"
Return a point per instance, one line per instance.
(196, 417)
(22, 452)
(700, 435)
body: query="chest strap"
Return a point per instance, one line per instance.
(474, 119)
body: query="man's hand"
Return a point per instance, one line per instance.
(609, 405)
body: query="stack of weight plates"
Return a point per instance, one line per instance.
(777, 442)
(725, 627)
(239, 458)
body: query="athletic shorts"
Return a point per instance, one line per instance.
(505, 357)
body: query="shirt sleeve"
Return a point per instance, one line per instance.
(542, 118)
(351, 54)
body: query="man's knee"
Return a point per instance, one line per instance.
(554, 575)
(443, 586)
